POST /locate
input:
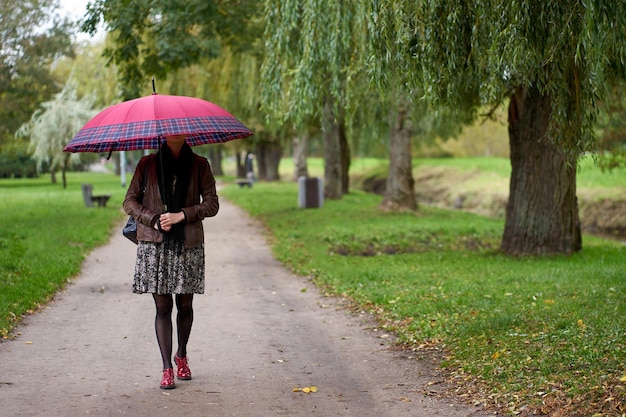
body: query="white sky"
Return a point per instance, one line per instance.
(76, 9)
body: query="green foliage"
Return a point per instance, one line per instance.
(33, 36)
(52, 127)
(544, 333)
(612, 127)
(154, 38)
(306, 65)
(90, 75)
(15, 161)
(45, 233)
(477, 53)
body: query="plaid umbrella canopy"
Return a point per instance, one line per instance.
(143, 122)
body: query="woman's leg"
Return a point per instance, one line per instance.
(163, 326)
(184, 320)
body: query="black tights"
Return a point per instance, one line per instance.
(163, 324)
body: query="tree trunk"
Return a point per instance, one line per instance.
(267, 156)
(400, 192)
(345, 159)
(332, 155)
(542, 211)
(241, 164)
(215, 159)
(300, 143)
(261, 160)
(66, 165)
(272, 153)
(116, 164)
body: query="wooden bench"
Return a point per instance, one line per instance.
(243, 183)
(89, 198)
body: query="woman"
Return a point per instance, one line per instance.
(169, 195)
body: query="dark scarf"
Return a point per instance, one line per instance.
(174, 183)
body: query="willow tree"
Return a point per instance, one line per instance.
(53, 125)
(551, 62)
(232, 81)
(389, 46)
(392, 49)
(312, 49)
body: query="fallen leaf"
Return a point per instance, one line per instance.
(306, 390)
(495, 355)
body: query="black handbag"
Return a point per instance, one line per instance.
(130, 228)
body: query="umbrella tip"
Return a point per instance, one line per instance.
(153, 86)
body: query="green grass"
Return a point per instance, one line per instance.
(45, 233)
(493, 173)
(537, 332)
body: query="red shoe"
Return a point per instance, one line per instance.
(167, 382)
(182, 368)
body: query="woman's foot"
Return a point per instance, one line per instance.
(182, 368)
(167, 382)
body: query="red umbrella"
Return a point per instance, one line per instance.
(143, 122)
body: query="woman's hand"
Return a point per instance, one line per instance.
(167, 220)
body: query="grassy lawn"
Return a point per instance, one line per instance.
(45, 233)
(534, 334)
(544, 334)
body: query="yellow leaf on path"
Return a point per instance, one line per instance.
(623, 379)
(306, 390)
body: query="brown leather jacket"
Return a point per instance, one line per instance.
(147, 210)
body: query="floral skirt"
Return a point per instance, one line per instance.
(168, 268)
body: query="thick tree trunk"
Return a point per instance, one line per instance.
(300, 143)
(240, 162)
(332, 156)
(542, 211)
(267, 156)
(215, 159)
(400, 192)
(272, 154)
